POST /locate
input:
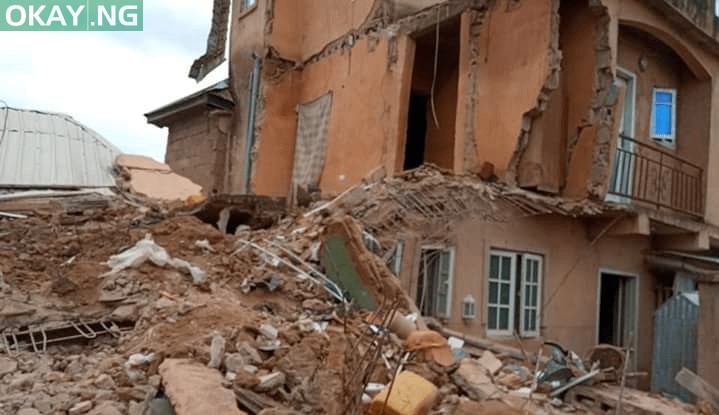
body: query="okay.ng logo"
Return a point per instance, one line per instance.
(71, 15)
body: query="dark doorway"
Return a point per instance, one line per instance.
(416, 131)
(432, 112)
(617, 310)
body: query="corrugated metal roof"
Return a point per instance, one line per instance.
(52, 150)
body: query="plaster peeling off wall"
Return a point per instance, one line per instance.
(589, 150)
(532, 118)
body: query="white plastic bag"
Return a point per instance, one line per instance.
(147, 250)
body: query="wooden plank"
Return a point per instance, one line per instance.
(698, 386)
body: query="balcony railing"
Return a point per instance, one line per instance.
(644, 173)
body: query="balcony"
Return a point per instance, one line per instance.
(647, 174)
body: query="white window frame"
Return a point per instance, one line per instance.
(447, 312)
(512, 291)
(524, 283)
(515, 257)
(667, 140)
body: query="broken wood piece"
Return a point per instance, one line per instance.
(698, 386)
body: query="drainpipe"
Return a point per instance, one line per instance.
(251, 115)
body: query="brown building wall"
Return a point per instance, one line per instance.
(247, 35)
(195, 148)
(572, 265)
(301, 29)
(514, 46)
(708, 333)
(366, 119)
(702, 63)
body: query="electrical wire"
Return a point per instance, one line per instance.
(434, 74)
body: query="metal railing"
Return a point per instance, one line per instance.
(646, 173)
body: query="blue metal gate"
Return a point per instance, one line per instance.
(675, 343)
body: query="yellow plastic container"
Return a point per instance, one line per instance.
(411, 395)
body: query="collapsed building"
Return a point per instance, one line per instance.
(603, 102)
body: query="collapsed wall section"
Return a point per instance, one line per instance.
(515, 60)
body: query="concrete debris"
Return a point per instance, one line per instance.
(217, 352)
(471, 377)
(282, 333)
(147, 177)
(195, 389)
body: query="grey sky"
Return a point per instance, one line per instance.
(108, 80)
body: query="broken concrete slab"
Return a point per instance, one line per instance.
(153, 179)
(195, 389)
(7, 365)
(490, 362)
(473, 380)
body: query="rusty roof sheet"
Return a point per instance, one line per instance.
(52, 150)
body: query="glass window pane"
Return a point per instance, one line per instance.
(504, 318)
(535, 273)
(494, 267)
(504, 294)
(506, 268)
(493, 292)
(492, 318)
(661, 97)
(527, 295)
(662, 120)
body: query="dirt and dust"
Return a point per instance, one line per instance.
(282, 335)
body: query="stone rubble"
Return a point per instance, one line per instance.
(263, 332)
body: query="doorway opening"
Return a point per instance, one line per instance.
(432, 110)
(416, 131)
(434, 283)
(617, 310)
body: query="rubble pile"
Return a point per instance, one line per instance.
(145, 309)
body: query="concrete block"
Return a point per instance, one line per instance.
(471, 377)
(411, 395)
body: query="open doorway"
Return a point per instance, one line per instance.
(617, 310)
(432, 109)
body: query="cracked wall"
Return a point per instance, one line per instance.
(514, 63)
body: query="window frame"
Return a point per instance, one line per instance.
(517, 293)
(524, 283)
(666, 140)
(512, 291)
(450, 250)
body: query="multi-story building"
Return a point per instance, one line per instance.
(609, 101)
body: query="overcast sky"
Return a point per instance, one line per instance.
(108, 80)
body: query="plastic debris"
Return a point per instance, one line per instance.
(147, 250)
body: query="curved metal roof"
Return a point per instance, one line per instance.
(51, 150)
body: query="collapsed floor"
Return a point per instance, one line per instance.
(135, 308)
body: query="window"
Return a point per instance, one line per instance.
(664, 116)
(514, 295)
(434, 285)
(247, 4)
(716, 8)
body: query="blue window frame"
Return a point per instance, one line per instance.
(664, 114)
